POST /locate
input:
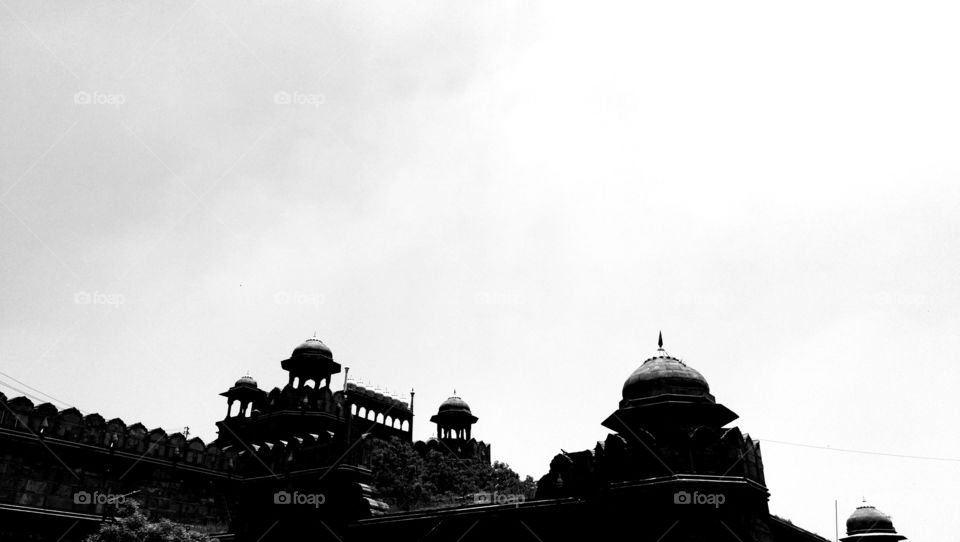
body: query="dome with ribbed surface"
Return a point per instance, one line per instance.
(454, 404)
(246, 381)
(664, 374)
(312, 348)
(867, 520)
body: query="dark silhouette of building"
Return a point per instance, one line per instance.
(454, 432)
(295, 461)
(60, 467)
(867, 524)
(670, 471)
(306, 405)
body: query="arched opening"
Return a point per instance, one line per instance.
(389, 421)
(372, 416)
(405, 426)
(363, 411)
(353, 410)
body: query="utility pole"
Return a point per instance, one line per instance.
(836, 522)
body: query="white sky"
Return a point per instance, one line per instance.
(507, 199)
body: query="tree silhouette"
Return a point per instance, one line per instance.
(130, 524)
(407, 481)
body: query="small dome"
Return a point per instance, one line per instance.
(454, 404)
(664, 374)
(867, 519)
(312, 348)
(247, 381)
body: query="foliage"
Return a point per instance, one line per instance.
(132, 525)
(407, 481)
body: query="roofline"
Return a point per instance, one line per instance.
(789, 525)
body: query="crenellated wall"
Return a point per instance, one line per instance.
(52, 460)
(70, 425)
(371, 405)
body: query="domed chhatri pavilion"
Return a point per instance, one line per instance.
(454, 419)
(454, 432)
(867, 524)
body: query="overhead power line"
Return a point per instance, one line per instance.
(39, 400)
(31, 388)
(866, 452)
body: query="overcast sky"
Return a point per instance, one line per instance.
(509, 199)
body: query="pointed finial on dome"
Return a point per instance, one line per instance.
(660, 341)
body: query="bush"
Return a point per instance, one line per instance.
(130, 524)
(407, 481)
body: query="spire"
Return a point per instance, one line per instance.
(660, 341)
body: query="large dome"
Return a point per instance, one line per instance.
(664, 375)
(454, 404)
(312, 348)
(665, 393)
(867, 519)
(246, 381)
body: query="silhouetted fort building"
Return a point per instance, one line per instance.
(670, 467)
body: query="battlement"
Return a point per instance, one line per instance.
(364, 393)
(46, 420)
